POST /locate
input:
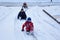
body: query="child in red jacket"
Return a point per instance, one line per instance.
(29, 26)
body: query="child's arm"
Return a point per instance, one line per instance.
(32, 27)
(23, 26)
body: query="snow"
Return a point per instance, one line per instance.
(29, 0)
(25, 0)
(45, 28)
(53, 10)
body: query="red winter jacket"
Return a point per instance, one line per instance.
(29, 26)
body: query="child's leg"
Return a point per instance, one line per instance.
(31, 33)
(28, 32)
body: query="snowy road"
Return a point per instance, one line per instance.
(45, 28)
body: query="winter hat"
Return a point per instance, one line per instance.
(22, 9)
(29, 19)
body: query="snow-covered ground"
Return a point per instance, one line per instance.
(45, 28)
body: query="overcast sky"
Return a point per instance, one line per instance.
(28, 0)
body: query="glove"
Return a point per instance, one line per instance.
(22, 29)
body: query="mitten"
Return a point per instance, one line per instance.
(22, 29)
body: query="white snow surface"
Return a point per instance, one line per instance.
(45, 28)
